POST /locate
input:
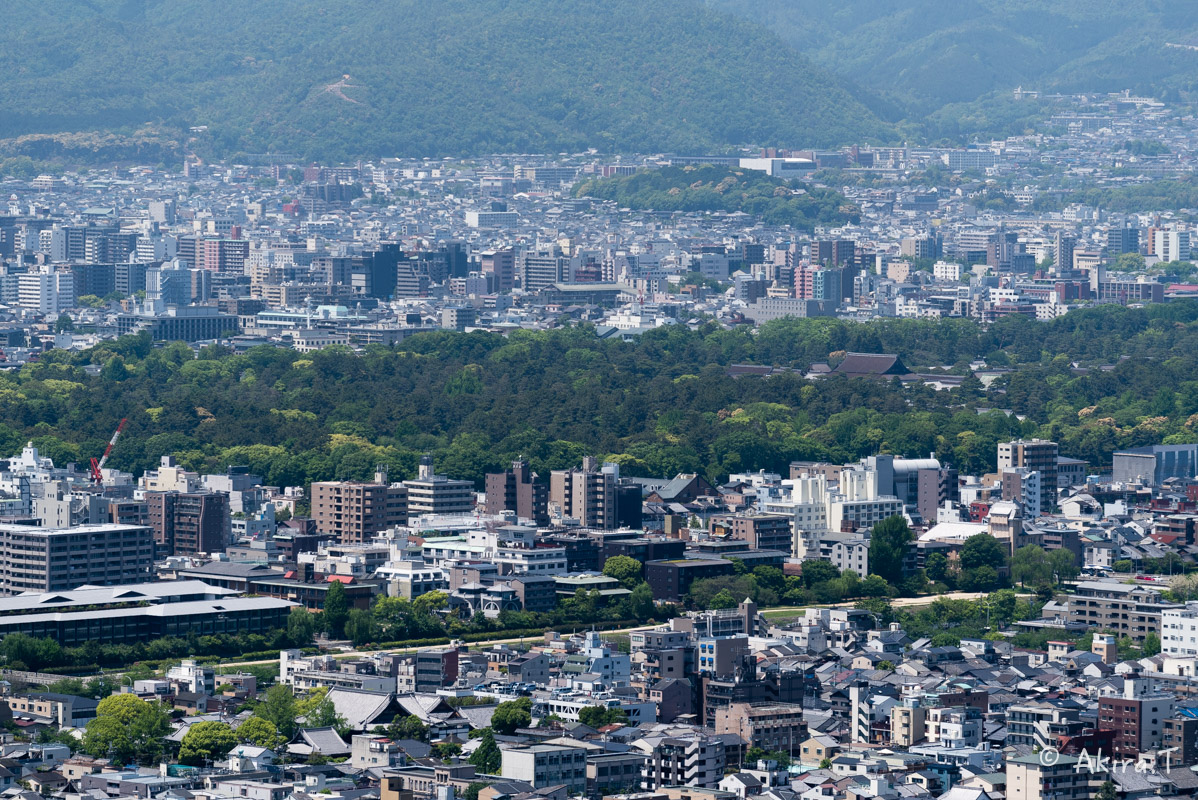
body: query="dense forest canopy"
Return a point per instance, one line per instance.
(661, 405)
(927, 54)
(355, 78)
(718, 188)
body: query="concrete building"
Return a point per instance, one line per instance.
(1137, 716)
(430, 493)
(771, 726)
(587, 494)
(1172, 245)
(1037, 455)
(761, 531)
(908, 723)
(502, 265)
(541, 270)
(518, 489)
(1110, 606)
(1029, 779)
(694, 760)
(1022, 486)
(1179, 631)
(355, 512)
(1152, 466)
(542, 765)
(49, 293)
(48, 560)
(139, 612)
(185, 523)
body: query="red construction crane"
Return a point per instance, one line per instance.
(97, 476)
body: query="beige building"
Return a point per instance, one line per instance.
(816, 749)
(355, 512)
(1029, 779)
(1119, 607)
(772, 726)
(908, 724)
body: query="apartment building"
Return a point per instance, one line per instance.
(1039, 724)
(518, 489)
(1137, 716)
(430, 493)
(1179, 631)
(1029, 779)
(1035, 455)
(761, 531)
(772, 726)
(908, 723)
(355, 512)
(49, 560)
(587, 494)
(694, 760)
(63, 710)
(185, 523)
(1131, 610)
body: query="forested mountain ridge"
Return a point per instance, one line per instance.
(661, 405)
(350, 78)
(930, 53)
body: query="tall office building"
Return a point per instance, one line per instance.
(540, 270)
(1122, 239)
(521, 490)
(836, 252)
(587, 494)
(501, 264)
(1033, 454)
(186, 523)
(1172, 245)
(48, 293)
(1062, 254)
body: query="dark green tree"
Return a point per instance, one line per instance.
(937, 567)
(641, 602)
(888, 547)
(336, 610)
(598, 716)
(512, 714)
(816, 572)
(624, 569)
(278, 708)
(206, 742)
(983, 550)
(486, 758)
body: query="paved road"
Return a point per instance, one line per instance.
(901, 602)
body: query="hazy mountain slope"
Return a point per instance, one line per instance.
(424, 78)
(934, 52)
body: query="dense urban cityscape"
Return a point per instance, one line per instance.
(747, 472)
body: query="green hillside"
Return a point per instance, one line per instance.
(711, 188)
(930, 53)
(345, 78)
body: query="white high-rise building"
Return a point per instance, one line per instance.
(1172, 245)
(1179, 631)
(46, 292)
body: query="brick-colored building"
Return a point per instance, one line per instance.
(761, 531)
(189, 522)
(521, 490)
(354, 512)
(772, 726)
